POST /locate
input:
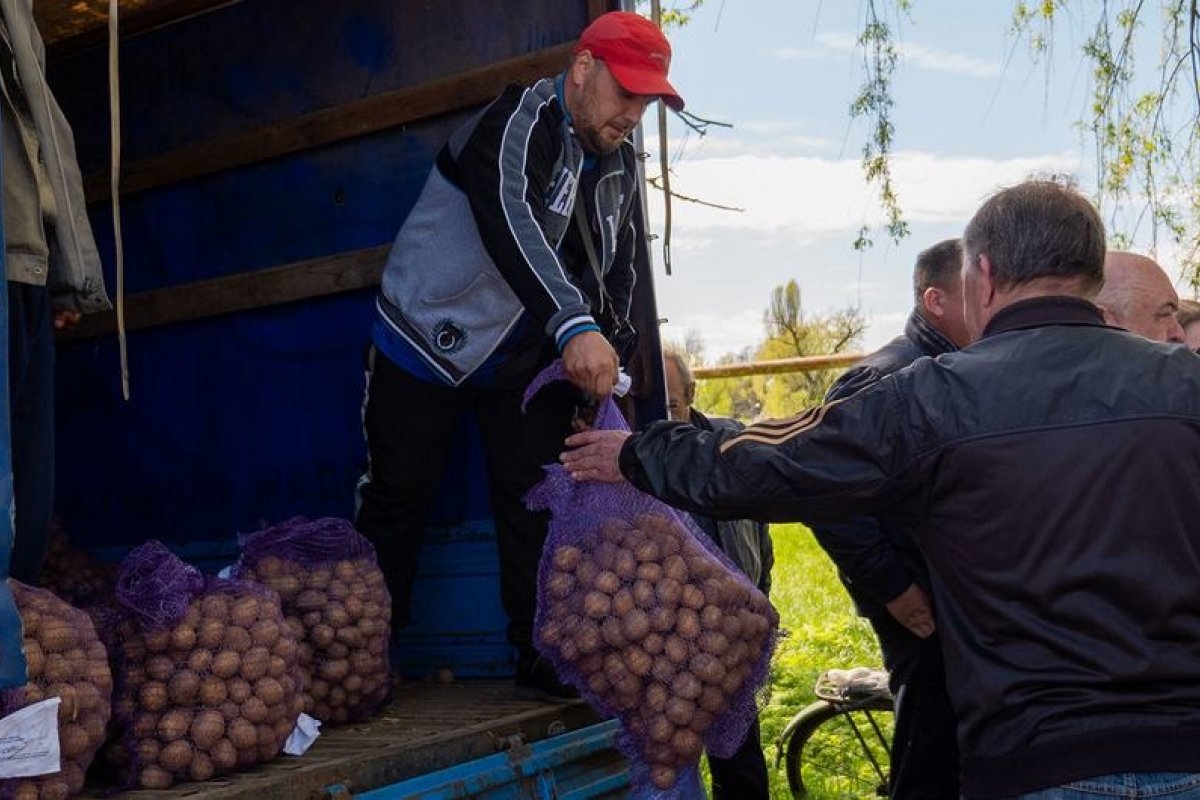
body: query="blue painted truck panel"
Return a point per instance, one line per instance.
(249, 418)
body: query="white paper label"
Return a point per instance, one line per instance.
(302, 736)
(29, 741)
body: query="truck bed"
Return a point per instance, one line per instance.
(428, 727)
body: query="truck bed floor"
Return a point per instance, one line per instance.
(427, 727)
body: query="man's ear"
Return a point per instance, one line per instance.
(933, 300)
(689, 395)
(579, 66)
(984, 265)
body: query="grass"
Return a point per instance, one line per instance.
(822, 631)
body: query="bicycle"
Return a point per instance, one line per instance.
(840, 744)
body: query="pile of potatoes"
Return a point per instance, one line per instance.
(218, 690)
(64, 659)
(340, 613)
(654, 628)
(74, 575)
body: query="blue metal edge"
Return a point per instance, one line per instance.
(532, 761)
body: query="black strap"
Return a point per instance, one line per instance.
(585, 233)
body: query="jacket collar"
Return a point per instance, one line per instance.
(1038, 311)
(921, 332)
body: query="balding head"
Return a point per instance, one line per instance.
(1139, 297)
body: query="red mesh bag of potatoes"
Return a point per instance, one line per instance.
(73, 574)
(65, 659)
(206, 669)
(336, 602)
(649, 620)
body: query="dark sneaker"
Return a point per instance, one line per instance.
(536, 681)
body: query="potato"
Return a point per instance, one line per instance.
(638, 661)
(567, 558)
(154, 778)
(610, 632)
(635, 625)
(687, 624)
(597, 605)
(207, 728)
(201, 768)
(663, 777)
(622, 602)
(174, 724)
(226, 663)
(669, 591)
(708, 668)
(212, 691)
(242, 734)
(680, 711)
(224, 755)
(560, 585)
(660, 729)
(657, 696)
(677, 650)
(687, 686)
(177, 756)
(153, 696)
(692, 597)
(687, 745)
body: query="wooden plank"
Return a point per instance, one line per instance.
(68, 26)
(460, 722)
(287, 283)
(359, 118)
(779, 366)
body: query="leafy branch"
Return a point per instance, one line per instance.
(874, 103)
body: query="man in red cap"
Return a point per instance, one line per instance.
(518, 251)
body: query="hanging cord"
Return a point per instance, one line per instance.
(656, 15)
(114, 105)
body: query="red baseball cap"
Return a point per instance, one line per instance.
(635, 52)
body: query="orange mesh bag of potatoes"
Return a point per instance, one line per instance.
(650, 621)
(337, 604)
(206, 670)
(65, 659)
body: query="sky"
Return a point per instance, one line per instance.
(973, 112)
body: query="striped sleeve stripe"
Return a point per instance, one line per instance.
(566, 333)
(526, 233)
(777, 432)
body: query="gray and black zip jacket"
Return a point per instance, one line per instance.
(1051, 475)
(492, 238)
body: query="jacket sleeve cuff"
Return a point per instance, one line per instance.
(627, 460)
(573, 331)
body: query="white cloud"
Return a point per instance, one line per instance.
(935, 60)
(805, 197)
(914, 54)
(801, 216)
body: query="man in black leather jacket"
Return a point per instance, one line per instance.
(1051, 471)
(883, 570)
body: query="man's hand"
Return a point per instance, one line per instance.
(65, 319)
(591, 364)
(913, 610)
(596, 455)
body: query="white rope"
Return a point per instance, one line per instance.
(114, 105)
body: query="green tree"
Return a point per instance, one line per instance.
(789, 332)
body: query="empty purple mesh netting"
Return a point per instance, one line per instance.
(156, 586)
(306, 541)
(641, 612)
